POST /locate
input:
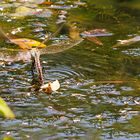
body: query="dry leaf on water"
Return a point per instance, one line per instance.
(50, 87)
(25, 43)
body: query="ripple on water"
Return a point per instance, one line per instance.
(15, 78)
(60, 73)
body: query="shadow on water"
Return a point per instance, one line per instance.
(99, 94)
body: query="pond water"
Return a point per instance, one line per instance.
(99, 96)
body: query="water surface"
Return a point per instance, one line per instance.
(100, 85)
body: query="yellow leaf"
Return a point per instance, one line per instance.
(25, 43)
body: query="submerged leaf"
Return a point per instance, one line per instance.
(5, 110)
(50, 87)
(25, 43)
(95, 40)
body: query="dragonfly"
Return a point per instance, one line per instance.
(33, 54)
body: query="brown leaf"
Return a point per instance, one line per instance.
(50, 87)
(95, 40)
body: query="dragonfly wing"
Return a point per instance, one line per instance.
(60, 47)
(11, 55)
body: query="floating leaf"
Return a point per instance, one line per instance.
(25, 43)
(50, 87)
(5, 110)
(95, 33)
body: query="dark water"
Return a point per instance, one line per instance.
(99, 96)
